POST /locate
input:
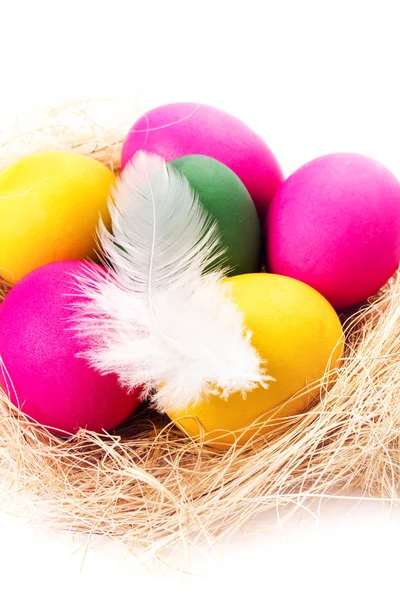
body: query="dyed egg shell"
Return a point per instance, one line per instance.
(299, 335)
(49, 210)
(228, 200)
(335, 224)
(176, 130)
(39, 351)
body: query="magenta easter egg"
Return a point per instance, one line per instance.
(335, 225)
(184, 128)
(39, 348)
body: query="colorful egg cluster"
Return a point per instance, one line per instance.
(328, 237)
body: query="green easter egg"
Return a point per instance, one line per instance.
(227, 199)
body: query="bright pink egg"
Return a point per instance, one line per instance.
(184, 128)
(335, 224)
(39, 350)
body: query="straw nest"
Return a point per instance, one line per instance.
(149, 485)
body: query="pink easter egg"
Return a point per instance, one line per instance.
(39, 347)
(335, 225)
(184, 128)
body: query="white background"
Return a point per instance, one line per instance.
(311, 77)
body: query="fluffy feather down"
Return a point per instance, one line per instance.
(159, 319)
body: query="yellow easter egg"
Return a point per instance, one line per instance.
(50, 204)
(300, 336)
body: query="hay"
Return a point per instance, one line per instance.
(151, 487)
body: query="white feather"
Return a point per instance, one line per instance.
(160, 319)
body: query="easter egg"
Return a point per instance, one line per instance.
(39, 348)
(227, 199)
(335, 225)
(183, 128)
(297, 332)
(50, 205)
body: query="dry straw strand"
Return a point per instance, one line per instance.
(153, 488)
